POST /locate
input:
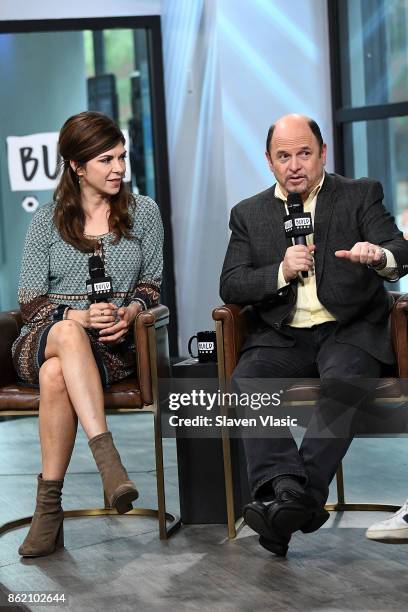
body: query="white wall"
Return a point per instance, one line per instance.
(196, 157)
(274, 59)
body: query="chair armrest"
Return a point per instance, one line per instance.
(236, 325)
(399, 331)
(10, 325)
(150, 322)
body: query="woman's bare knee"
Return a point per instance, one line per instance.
(51, 376)
(65, 334)
(68, 328)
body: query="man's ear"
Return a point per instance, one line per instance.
(323, 154)
(269, 160)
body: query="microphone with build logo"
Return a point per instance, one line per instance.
(98, 286)
(297, 223)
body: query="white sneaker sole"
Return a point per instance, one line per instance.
(390, 536)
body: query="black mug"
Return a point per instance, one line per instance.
(206, 346)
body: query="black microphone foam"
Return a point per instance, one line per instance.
(297, 223)
(98, 287)
(96, 267)
(295, 203)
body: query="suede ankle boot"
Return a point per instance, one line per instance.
(119, 490)
(46, 532)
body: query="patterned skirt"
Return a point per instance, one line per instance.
(115, 362)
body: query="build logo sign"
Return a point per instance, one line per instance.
(34, 164)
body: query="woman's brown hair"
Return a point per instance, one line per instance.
(83, 137)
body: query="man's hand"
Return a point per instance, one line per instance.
(363, 253)
(126, 315)
(298, 258)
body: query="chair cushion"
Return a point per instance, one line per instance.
(309, 391)
(123, 394)
(19, 397)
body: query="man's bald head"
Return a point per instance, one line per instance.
(288, 122)
(296, 154)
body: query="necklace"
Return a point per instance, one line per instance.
(98, 248)
(97, 237)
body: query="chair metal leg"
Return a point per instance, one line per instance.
(164, 530)
(226, 444)
(233, 525)
(161, 496)
(229, 485)
(173, 520)
(340, 484)
(342, 505)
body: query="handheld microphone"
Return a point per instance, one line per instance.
(297, 223)
(98, 287)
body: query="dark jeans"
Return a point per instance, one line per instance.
(316, 353)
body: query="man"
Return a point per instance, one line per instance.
(334, 323)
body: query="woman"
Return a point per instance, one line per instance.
(70, 347)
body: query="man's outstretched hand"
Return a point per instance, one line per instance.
(362, 252)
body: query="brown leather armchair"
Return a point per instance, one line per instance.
(138, 394)
(234, 323)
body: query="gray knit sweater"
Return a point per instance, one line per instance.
(54, 272)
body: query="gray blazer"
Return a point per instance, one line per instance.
(347, 211)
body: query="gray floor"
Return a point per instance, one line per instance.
(119, 563)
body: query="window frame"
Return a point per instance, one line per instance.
(152, 24)
(349, 114)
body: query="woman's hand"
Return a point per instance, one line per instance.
(126, 315)
(98, 316)
(102, 315)
(80, 316)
